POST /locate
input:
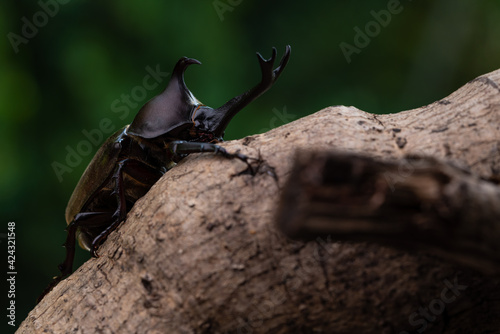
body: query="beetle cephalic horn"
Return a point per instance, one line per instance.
(171, 109)
(225, 113)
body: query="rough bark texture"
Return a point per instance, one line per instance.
(200, 253)
(416, 203)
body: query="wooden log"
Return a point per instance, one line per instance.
(414, 203)
(200, 253)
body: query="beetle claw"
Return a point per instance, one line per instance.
(270, 75)
(270, 60)
(277, 71)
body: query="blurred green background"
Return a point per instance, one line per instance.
(63, 77)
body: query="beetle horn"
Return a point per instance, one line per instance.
(225, 113)
(171, 109)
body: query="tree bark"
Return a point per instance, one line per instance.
(417, 204)
(201, 253)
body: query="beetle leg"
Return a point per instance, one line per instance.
(66, 267)
(181, 147)
(120, 212)
(88, 219)
(133, 168)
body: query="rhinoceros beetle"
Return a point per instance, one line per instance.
(167, 128)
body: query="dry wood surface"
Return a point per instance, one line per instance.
(201, 252)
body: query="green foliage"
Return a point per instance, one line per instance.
(65, 78)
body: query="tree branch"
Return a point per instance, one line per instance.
(200, 253)
(415, 203)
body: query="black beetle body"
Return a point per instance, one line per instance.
(166, 129)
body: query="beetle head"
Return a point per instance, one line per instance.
(176, 113)
(211, 121)
(169, 110)
(176, 109)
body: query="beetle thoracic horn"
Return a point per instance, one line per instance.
(171, 109)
